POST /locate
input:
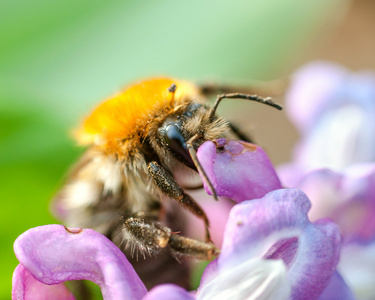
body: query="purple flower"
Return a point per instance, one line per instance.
(221, 157)
(348, 197)
(276, 228)
(270, 248)
(238, 171)
(334, 111)
(334, 161)
(53, 254)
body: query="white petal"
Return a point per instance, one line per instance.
(258, 279)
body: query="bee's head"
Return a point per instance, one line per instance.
(180, 126)
(180, 130)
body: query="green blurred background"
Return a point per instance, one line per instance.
(59, 58)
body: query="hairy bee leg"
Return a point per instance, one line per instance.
(170, 187)
(148, 235)
(181, 245)
(151, 237)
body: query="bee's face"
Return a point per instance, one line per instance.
(182, 124)
(179, 127)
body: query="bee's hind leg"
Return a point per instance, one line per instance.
(145, 234)
(183, 246)
(170, 187)
(150, 237)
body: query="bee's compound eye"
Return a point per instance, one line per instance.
(177, 144)
(174, 137)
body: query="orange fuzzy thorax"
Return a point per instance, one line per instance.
(121, 116)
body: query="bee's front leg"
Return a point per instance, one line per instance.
(149, 236)
(170, 187)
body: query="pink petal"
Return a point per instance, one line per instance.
(26, 287)
(54, 254)
(238, 170)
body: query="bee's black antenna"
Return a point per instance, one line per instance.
(267, 101)
(194, 157)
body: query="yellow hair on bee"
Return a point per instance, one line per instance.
(125, 114)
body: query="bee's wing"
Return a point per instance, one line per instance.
(93, 193)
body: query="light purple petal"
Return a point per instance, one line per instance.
(277, 227)
(335, 143)
(238, 170)
(337, 289)
(312, 87)
(322, 187)
(54, 254)
(168, 292)
(334, 109)
(290, 174)
(356, 214)
(347, 197)
(26, 287)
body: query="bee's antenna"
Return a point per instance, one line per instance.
(267, 101)
(194, 157)
(172, 89)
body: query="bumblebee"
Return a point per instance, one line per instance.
(140, 156)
